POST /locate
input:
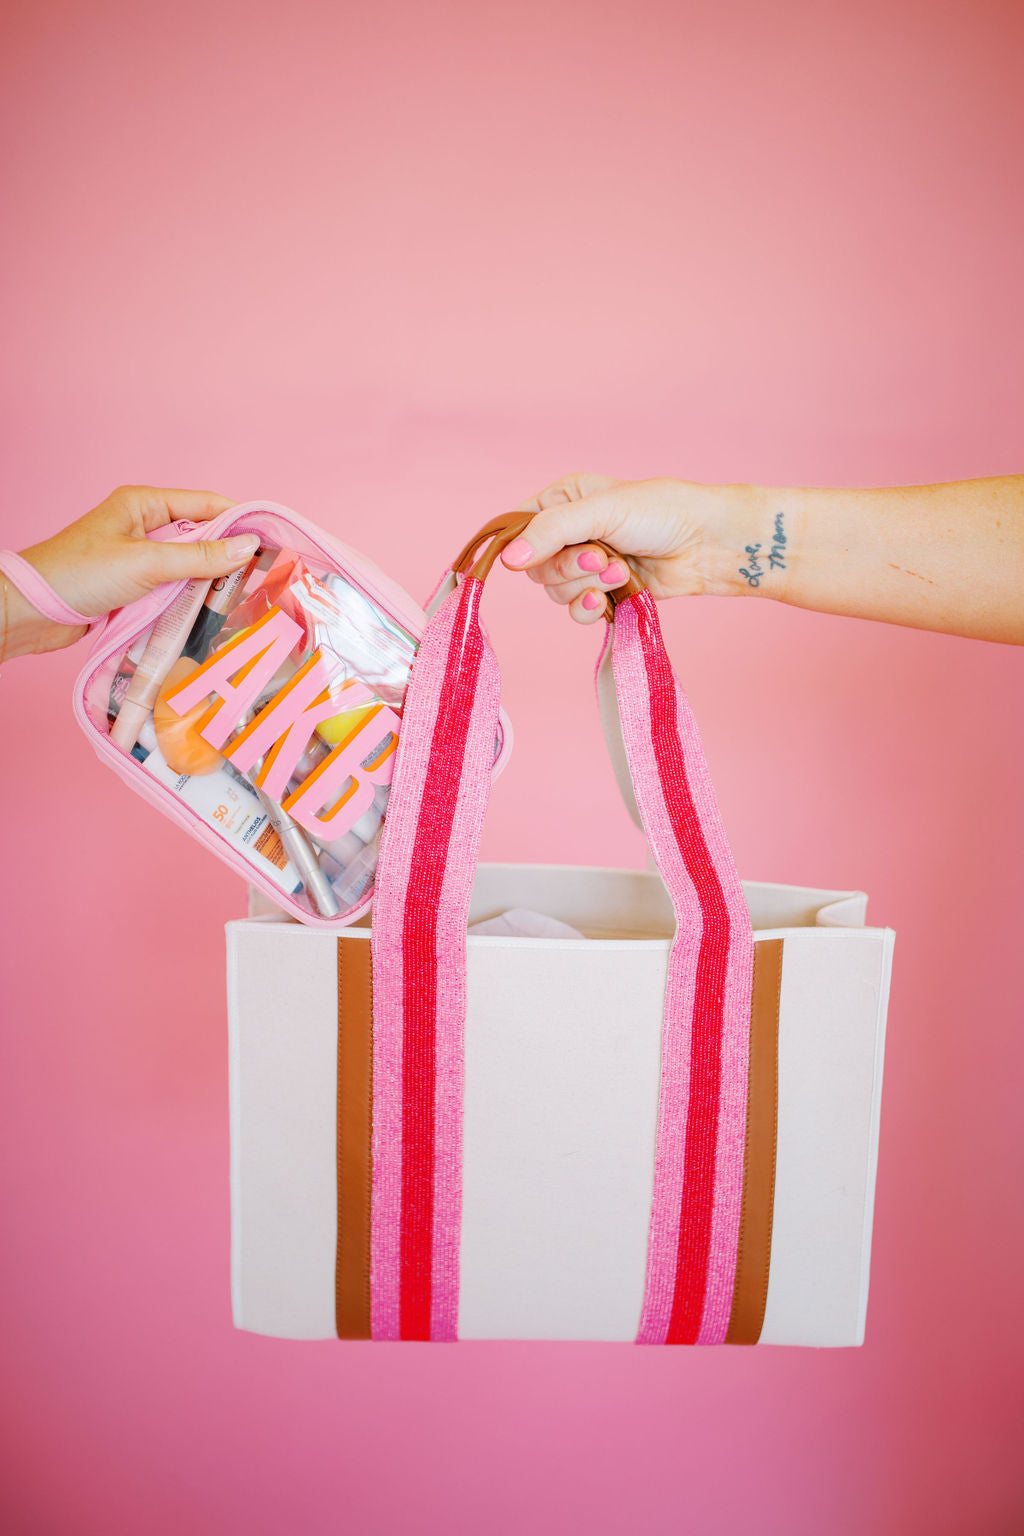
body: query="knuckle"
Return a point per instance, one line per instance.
(552, 495)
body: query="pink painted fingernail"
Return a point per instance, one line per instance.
(518, 552)
(591, 600)
(590, 560)
(614, 575)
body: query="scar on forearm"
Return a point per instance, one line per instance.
(775, 560)
(911, 573)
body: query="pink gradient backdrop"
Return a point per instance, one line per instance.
(398, 265)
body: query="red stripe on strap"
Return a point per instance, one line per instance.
(712, 961)
(419, 944)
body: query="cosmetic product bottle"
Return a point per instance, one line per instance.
(344, 849)
(169, 634)
(350, 862)
(221, 598)
(267, 580)
(227, 802)
(300, 851)
(351, 883)
(124, 674)
(312, 757)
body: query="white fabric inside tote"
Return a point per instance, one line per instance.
(562, 1063)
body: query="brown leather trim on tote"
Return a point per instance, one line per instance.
(750, 1292)
(355, 1126)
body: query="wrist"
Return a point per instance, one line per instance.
(27, 630)
(749, 537)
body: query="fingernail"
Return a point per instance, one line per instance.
(245, 544)
(614, 575)
(590, 560)
(518, 552)
(591, 601)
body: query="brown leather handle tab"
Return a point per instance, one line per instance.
(501, 531)
(505, 529)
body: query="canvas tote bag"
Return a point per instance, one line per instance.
(665, 1132)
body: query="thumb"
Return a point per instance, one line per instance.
(207, 558)
(557, 527)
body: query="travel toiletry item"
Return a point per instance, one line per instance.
(178, 734)
(124, 674)
(262, 712)
(170, 632)
(296, 844)
(219, 602)
(230, 806)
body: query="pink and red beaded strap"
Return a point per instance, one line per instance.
(698, 1180)
(428, 858)
(38, 591)
(432, 832)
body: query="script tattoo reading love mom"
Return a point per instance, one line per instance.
(761, 564)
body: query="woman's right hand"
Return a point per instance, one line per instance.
(670, 531)
(944, 557)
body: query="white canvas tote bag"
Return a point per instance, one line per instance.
(665, 1131)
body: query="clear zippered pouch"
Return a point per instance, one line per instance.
(263, 711)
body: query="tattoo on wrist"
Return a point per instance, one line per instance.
(759, 564)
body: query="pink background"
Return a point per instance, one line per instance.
(397, 266)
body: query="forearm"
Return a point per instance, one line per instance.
(943, 557)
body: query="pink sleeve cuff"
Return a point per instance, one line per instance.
(39, 592)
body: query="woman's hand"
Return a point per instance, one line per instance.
(670, 531)
(105, 560)
(946, 557)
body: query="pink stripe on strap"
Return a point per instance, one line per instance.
(37, 591)
(701, 1118)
